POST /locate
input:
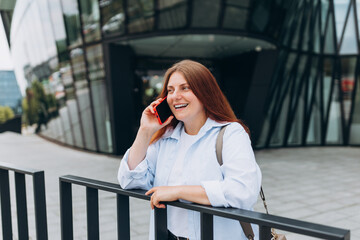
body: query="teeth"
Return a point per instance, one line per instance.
(180, 106)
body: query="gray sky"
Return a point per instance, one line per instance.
(5, 59)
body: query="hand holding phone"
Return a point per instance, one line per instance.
(162, 111)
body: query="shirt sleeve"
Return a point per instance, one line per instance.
(142, 177)
(241, 181)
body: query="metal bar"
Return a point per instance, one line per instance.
(264, 233)
(66, 211)
(123, 217)
(21, 206)
(92, 210)
(206, 224)
(13, 167)
(5, 205)
(40, 206)
(287, 224)
(161, 232)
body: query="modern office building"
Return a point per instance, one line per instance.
(290, 68)
(9, 91)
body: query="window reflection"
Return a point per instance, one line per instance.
(355, 124)
(205, 13)
(90, 16)
(236, 14)
(113, 17)
(71, 112)
(172, 14)
(347, 84)
(83, 97)
(141, 15)
(331, 92)
(98, 90)
(72, 22)
(152, 84)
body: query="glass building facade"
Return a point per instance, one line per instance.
(290, 69)
(9, 91)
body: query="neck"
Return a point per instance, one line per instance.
(194, 127)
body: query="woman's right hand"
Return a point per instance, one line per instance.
(148, 126)
(149, 121)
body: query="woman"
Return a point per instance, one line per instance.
(177, 160)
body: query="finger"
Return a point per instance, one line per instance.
(151, 203)
(150, 191)
(168, 121)
(161, 205)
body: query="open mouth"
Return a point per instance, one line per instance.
(179, 106)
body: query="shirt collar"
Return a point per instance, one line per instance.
(209, 124)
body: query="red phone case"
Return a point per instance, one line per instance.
(156, 113)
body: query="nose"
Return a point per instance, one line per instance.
(176, 94)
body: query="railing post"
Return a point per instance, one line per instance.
(123, 217)
(264, 233)
(66, 211)
(21, 206)
(5, 205)
(92, 210)
(40, 206)
(207, 230)
(161, 224)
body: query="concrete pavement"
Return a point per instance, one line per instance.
(317, 184)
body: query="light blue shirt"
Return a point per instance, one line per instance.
(234, 184)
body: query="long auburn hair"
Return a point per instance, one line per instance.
(203, 84)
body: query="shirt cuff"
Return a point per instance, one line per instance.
(125, 175)
(214, 193)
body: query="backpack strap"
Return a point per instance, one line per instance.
(219, 144)
(246, 227)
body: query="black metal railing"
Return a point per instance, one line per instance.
(21, 203)
(265, 221)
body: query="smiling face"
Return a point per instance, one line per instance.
(184, 104)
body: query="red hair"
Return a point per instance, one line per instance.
(203, 84)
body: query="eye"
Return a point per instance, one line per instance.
(169, 90)
(186, 88)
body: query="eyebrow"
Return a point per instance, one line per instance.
(183, 84)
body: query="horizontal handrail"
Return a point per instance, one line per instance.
(262, 219)
(14, 168)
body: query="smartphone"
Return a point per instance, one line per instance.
(162, 111)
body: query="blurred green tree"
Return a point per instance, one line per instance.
(6, 113)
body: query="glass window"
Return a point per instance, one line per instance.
(347, 84)
(83, 97)
(235, 17)
(355, 125)
(205, 13)
(299, 19)
(334, 128)
(90, 16)
(327, 79)
(70, 113)
(112, 17)
(295, 137)
(349, 41)
(172, 14)
(340, 7)
(314, 132)
(317, 32)
(324, 14)
(329, 37)
(141, 15)
(281, 103)
(94, 55)
(72, 22)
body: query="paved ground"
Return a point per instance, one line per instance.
(320, 185)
